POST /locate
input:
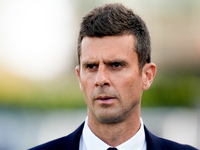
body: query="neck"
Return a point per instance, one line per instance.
(115, 134)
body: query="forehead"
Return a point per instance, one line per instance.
(107, 47)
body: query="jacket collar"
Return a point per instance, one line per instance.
(153, 142)
(73, 141)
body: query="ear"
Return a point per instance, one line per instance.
(79, 77)
(148, 74)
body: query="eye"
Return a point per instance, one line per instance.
(91, 66)
(116, 64)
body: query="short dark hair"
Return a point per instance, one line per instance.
(115, 19)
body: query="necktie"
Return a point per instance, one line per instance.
(112, 148)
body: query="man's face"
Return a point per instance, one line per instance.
(109, 77)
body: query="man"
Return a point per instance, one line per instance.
(114, 69)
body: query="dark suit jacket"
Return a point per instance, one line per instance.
(71, 142)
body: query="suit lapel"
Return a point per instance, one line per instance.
(72, 142)
(153, 142)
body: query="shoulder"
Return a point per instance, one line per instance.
(157, 143)
(70, 141)
(176, 146)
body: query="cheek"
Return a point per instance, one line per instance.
(132, 88)
(85, 91)
(84, 85)
(87, 85)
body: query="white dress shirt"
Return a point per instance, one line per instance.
(89, 141)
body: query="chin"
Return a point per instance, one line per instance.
(107, 119)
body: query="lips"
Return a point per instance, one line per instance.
(104, 98)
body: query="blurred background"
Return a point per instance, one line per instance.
(40, 98)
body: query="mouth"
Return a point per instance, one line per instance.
(105, 99)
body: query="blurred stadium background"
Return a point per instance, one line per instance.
(40, 98)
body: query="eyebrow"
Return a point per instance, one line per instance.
(89, 62)
(105, 62)
(121, 61)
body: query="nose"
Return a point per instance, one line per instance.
(102, 77)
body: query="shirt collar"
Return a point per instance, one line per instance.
(92, 142)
